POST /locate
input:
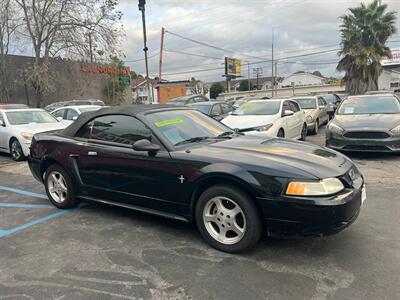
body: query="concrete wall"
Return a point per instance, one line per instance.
(68, 81)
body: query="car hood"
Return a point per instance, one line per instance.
(283, 156)
(243, 122)
(371, 121)
(42, 127)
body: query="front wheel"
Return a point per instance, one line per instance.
(228, 219)
(16, 150)
(59, 187)
(316, 127)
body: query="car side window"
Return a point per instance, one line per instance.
(59, 113)
(71, 113)
(321, 101)
(286, 106)
(119, 129)
(225, 108)
(216, 109)
(294, 106)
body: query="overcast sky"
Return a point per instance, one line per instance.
(243, 29)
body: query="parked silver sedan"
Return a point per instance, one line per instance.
(315, 108)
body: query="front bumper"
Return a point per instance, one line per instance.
(311, 126)
(34, 166)
(297, 216)
(25, 145)
(341, 143)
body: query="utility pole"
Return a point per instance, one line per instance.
(161, 52)
(248, 76)
(90, 46)
(257, 72)
(141, 6)
(275, 83)
(272, 64)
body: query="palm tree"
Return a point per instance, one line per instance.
(364, 33)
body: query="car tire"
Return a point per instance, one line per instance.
(316, 127)
(281, 133)
(59, 187)
(226, 208)
(304, 132)
(16, 150)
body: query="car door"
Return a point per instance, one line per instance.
(110, 168)
(289, 122)
(299, 117)
(3, 134)
(323, 110)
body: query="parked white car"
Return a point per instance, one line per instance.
(68, 114)
(316, 110)
(272, 118)
(18, 125)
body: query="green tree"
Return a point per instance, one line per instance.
(364, 32)
(118, 85)
(216, 89)
(244, 85)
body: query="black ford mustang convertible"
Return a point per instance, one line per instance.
(181, 164)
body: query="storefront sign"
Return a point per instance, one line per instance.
(391, 61)
(99, 69)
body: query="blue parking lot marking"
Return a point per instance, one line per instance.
(20, 205)
(6, 232)
(22, 192)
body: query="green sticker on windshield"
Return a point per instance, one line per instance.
(168, 122)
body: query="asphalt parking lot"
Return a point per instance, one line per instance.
(102, 252)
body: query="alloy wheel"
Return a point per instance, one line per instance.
(316, 128)
(16, 151)
(57, 187)
(224, 220)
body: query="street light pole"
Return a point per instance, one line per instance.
(272, 64)
(141, 5)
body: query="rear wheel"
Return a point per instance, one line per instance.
(228, 219)
(281, 133)
(304, 132)
(16, 150)
(59, 187)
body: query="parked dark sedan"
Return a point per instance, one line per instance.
(216, 110)
(179, 163)
(366, 123)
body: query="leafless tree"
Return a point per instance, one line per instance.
(9, 22)
(67, 28)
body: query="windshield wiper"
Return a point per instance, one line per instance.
(226, 133)
(192, 140)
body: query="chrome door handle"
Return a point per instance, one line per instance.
(92, 153)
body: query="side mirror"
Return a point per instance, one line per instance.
(288, 113)
(322, 106)
(59, 119)
(2, 124)
(74, 118)
(145, 145)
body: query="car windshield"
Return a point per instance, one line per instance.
(85, 109)
(370, 105)
(258, 108)
(29, 116)
(203, 108)
(179, 126)
(307, 103)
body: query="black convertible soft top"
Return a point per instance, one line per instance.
(129, 110)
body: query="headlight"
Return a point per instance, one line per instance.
(396, 130)
(324, 187)
(26, 135)
(263, 128)
(309, 119)
(335, 128)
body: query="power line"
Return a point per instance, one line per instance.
(192, 54)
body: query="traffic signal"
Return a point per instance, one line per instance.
(142, 3)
